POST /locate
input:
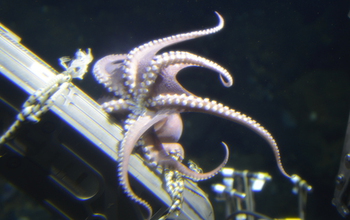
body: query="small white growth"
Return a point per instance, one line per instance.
(78, 66)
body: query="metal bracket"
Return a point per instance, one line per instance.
(341, 199)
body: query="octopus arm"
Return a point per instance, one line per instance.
(107, 71)
(140, 57)
(182, 59)
(132, 135)
(169, 161)
(196, 104)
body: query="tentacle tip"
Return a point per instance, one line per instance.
(150, 213)
(227, 82)
(221, 19)
(218, 14)
(295, 178)
(225, 145)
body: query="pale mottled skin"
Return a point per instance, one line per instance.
(145, 87)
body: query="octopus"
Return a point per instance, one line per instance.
(149, 99)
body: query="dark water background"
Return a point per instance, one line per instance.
(290, 61)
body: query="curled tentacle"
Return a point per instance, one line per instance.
(196, 104)
(153, 155)
(168, 65)
(107, 72)
(139, 58)
(165, 159)
(160, 154)
(135, 129)
(180, 57)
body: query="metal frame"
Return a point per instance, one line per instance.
(68, 160)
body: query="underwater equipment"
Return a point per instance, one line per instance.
(237, 192)
(341, 199)
(67, 160)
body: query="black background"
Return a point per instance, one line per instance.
(290, 61)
